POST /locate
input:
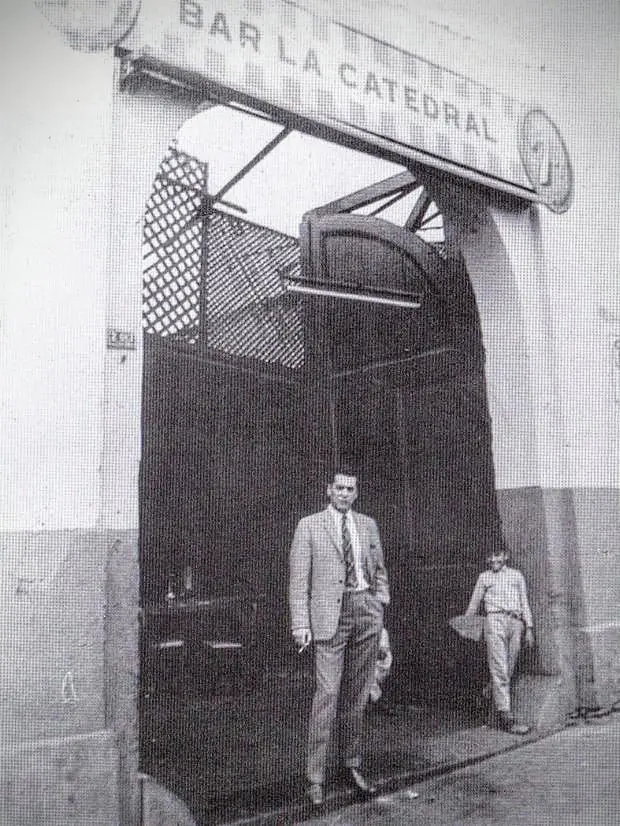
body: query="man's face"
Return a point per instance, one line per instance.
(342, 492)
(497, 561)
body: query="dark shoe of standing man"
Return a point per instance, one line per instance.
(508, 723)
(361, 786)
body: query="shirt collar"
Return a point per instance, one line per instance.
(336, 514)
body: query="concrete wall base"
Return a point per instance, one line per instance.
(566, 543)
(60, 781)
(597, 636)
(542, 702)
(68, 679)
(599, 667)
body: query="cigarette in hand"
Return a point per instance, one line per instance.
(303, 647)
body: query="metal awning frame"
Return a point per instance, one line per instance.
(138, 70)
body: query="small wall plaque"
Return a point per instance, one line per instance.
(120, 340)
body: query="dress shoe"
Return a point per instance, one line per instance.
(519, 728)
(314, 793)
(508, 723)
(355, 778)
(505, 720)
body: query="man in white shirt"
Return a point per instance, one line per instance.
(501, 594)
(338, 588)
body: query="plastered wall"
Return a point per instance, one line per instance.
(65, 737)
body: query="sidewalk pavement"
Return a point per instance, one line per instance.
(441, 746)
(569, 778)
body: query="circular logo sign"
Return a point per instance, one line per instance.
(88, 26)
(546, 160)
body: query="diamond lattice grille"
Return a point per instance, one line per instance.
(172, 248)
(248, 311)
(214, 280)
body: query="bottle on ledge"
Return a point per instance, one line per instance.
(170, 595)
(188, 582)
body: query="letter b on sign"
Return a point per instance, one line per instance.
(190, 14)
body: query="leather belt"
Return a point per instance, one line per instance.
(512, 614)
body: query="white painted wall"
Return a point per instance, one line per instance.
(55, 197)
(144, 125)
(54, 187)
(563, 56)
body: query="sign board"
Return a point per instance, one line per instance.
(90, 27)
(320, 69)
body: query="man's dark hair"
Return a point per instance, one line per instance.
(497, 548)
(345, 469)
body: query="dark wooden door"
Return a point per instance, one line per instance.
(402, 396)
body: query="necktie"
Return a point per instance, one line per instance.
(347, 551)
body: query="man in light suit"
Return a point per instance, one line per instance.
(338, 588)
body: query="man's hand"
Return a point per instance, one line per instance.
(302, 637)
(529, 637)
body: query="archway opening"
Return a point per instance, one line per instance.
(300, 307)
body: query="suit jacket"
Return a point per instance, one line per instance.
(317, 571)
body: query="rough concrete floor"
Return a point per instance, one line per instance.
(234, 757)
(570, 778)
